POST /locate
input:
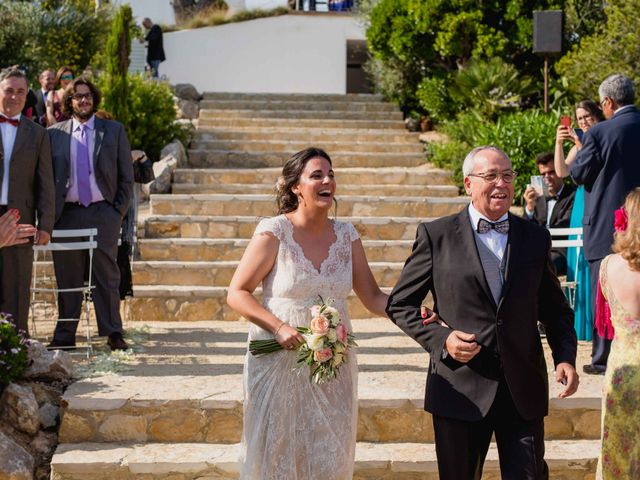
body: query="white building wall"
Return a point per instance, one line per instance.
(285, 54)
(160, 11)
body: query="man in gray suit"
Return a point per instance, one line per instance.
(27, 185)
(94, 180)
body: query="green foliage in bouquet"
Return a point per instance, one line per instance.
(14, 358)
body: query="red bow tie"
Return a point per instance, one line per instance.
(12, 121)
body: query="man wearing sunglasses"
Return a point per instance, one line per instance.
(94, 181)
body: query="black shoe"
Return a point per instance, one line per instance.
(592, 370)
(58, 345)
(116, 342)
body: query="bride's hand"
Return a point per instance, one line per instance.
(429, 316)
(288, 337)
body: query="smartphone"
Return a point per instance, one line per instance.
(538, 185)
(579, 133)
(565, 121)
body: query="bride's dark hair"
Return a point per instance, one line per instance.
(286, 200)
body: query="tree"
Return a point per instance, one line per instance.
(614, 49)
(117, 52)
(434, 39)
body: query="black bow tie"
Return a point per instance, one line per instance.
(501, 227)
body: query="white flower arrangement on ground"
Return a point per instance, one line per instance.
(326, 346)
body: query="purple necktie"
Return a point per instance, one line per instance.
(83, 168)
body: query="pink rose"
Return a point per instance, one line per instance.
(341, 332)
(319, 325)
(323, 355)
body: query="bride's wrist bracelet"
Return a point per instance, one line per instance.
(278, 329)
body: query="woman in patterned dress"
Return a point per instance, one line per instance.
(620, 283)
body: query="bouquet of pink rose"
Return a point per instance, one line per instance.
(326, 343)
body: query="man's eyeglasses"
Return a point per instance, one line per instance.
(492, 177)
(82, 96)
(602, 101)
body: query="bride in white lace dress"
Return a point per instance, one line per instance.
(293, 428)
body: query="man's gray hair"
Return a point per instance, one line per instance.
(619, 88)
(13, 72)
(468, 164)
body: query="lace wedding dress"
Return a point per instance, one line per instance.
(293, 428)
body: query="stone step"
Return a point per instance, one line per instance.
(204, 249)
(425, 174)
(204, 158)
(301, 97)
(567, 460)
(192, 303)
(319, 107)
(344, 124)
(329, 114)
(268, 189)
(263, 205)
(288, 146)
(219, 273)
(310, 136)
(207, 226)
(186, 386)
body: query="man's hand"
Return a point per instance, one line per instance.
(462, 346)
(42, 238)
(530, 197)
(567, 375)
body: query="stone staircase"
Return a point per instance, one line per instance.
(177, 415)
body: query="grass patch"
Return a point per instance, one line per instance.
(214, 16)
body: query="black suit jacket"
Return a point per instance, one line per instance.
(111, 162)
(445, 262)
(608, 165)
(155, 48)
(40, 109)
(30, 175)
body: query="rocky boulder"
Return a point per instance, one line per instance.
(186, 91)
(20, 408)
(15, 462)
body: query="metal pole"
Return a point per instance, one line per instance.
(546, 84)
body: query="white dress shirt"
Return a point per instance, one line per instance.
(9, 133)
(494, 241)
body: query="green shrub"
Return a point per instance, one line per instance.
(14, 358)
(522, 135)
(489, 88)
(433, 96)
(152, 116)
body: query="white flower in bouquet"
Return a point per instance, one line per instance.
(314, 341)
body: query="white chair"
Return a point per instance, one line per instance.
(569, 287)
(80, 239)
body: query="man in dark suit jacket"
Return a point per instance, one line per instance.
(94, 180)
(552, 210)
(155, 48)
(27, 185)
(608, 166)
(47, 80)
(492, 281)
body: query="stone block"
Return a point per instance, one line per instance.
(15, 462)
(224, 426)
(184, 425)
(176, 150)
(75, 429)
(123, 428)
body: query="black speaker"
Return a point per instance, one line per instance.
(547, 31)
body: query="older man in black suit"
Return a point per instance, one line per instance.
(27, 185)
(553, 209)
(94, 180)
(608, 165)
(492, 280)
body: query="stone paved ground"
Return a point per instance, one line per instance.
(179, 405)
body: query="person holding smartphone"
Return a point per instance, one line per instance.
(586, 114)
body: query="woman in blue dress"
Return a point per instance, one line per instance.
(587, 114)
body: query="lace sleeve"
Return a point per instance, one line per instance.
(352, 233)
(269, 225)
